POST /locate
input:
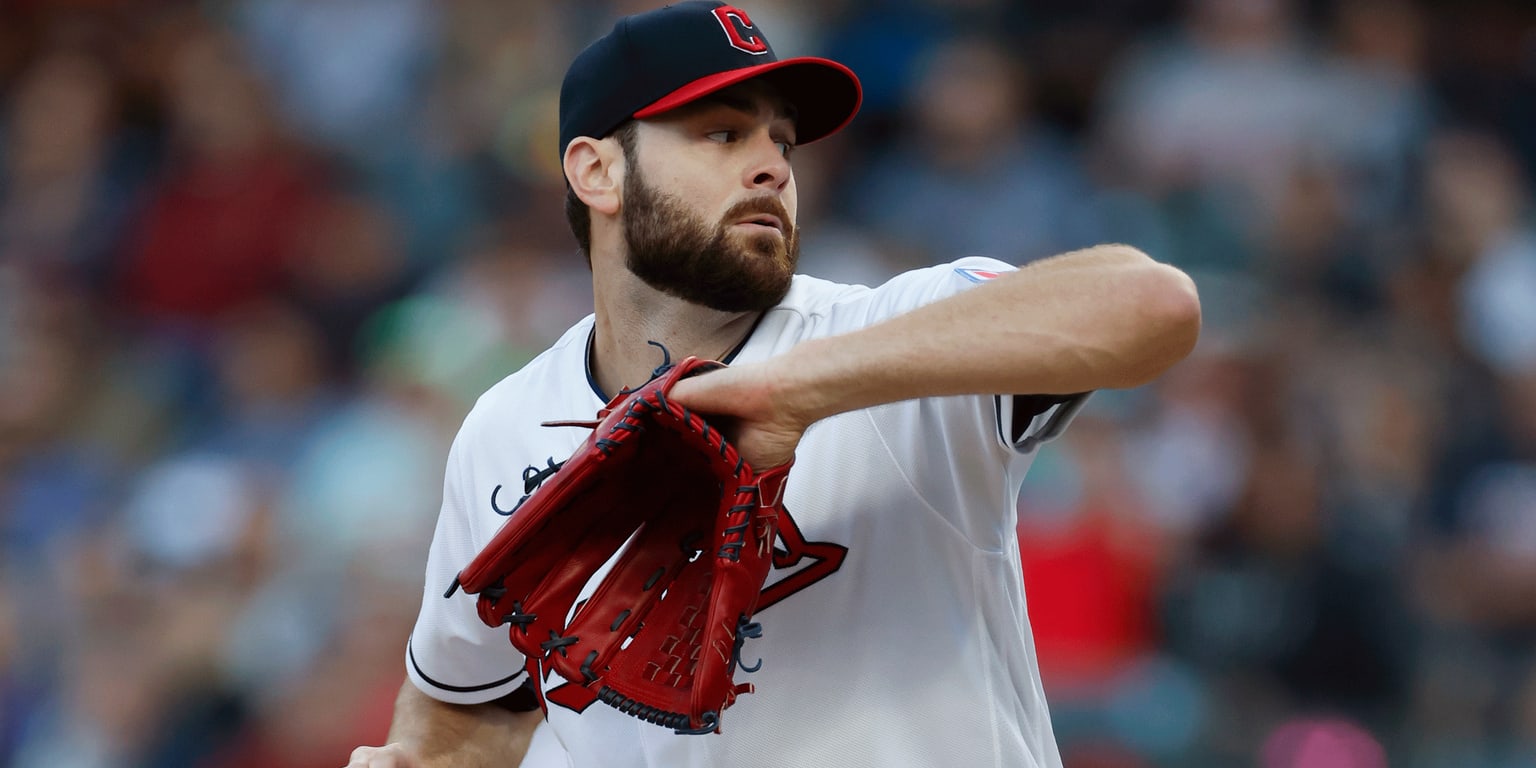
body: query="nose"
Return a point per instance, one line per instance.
(769, 168)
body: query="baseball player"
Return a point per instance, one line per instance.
(894, 630)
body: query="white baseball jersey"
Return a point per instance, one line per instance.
(894, 634)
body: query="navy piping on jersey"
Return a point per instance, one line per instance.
(411, 652)
(592, 340)
(1027, 407)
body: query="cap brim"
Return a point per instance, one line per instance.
(826, 95)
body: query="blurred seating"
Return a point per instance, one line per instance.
(258, 258)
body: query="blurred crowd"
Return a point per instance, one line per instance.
(258, 257)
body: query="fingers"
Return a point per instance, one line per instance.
(389, 756)
(728, 391)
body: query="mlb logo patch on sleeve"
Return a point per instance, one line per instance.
(977, 275)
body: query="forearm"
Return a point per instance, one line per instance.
(1106, 317)
(443, 735)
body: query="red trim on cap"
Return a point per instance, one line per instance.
(720, 80)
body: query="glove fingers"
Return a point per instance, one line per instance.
(539, 561)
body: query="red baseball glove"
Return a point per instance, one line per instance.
(661, 637)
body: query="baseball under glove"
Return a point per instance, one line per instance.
(661, 637)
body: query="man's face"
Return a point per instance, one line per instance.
(711, 218)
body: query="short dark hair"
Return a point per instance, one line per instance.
(576, 212)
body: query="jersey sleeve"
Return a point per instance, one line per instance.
(451, 655)
(1023, 421)
(965, 456)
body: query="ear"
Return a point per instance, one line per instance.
(595, 170)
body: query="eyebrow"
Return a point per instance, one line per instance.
(735, 101)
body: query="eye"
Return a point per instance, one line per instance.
(785, 148)
(721, 137)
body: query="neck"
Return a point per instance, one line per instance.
(630, 314)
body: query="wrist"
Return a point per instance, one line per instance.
(811, 384)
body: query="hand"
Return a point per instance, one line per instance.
(388, 756)
(749, 403)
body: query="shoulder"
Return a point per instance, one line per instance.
(546, 380)
(815, 307)
(813, 296)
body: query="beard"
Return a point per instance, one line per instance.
(675, 252)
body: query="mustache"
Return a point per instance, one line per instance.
(761, 205)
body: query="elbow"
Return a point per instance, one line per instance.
(1128, 254)
(1167, 323)
(1177, 309)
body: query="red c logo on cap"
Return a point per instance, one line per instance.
(739, 30)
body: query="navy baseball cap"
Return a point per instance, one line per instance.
(660, 60)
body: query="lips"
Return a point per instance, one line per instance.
(764, 220)
(762, 211)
